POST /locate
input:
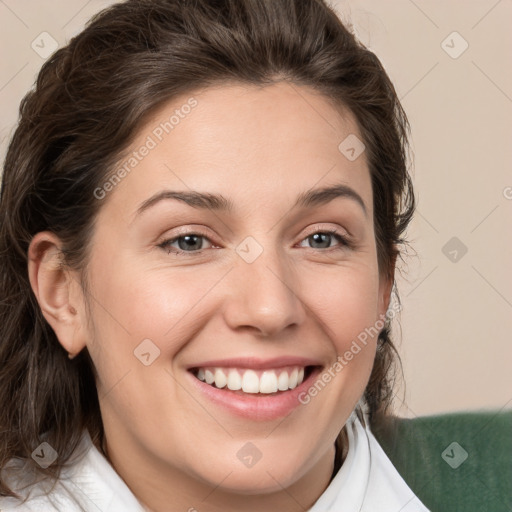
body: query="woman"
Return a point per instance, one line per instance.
(201, 212)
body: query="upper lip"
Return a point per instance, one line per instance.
(257, 363)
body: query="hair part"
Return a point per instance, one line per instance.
(90, 99)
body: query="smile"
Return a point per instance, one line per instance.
(253, 381)
(256, 392)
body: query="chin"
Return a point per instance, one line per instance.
(257, 481)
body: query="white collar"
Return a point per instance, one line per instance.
(367, 481)
(87, 483)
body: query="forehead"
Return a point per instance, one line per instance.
(259, 144)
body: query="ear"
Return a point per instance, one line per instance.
(57, 291)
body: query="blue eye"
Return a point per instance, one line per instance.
(321, 237)
(189, 242)
(192, 242)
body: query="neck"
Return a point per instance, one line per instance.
(162, 488)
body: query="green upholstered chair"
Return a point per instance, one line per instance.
(460, 462)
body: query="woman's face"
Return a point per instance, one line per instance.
(240, 280)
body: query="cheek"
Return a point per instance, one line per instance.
(346, 304)
(134, 304)
(133, 313)
(345, 301)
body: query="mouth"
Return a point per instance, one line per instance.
(254, 382)
(258, 394)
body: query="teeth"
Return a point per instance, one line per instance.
(292, 382)
(209, 377)
(220, 378)
(234, 380)
(250, 381)
(268, 382)
(282, 383)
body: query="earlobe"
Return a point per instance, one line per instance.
(53, 286)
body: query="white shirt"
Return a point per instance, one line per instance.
(366, 482)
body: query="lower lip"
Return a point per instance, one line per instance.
(255, 407)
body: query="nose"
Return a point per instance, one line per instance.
(262, 296)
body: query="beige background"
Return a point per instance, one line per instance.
(456, 345)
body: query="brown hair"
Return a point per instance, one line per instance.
(90, 98)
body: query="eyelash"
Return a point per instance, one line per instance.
(345, 243)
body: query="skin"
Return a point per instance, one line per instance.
(260, 148)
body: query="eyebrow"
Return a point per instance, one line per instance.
(324, 195)
(204, 200)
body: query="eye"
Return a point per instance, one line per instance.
(188, 242)
(193, 242)
(325, 236)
